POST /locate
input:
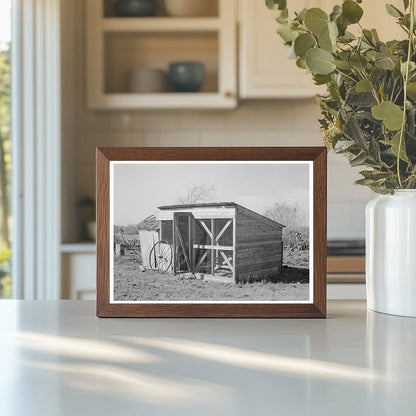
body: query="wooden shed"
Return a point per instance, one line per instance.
(222, 239)
(148, 236)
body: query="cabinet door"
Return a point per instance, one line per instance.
(265, 68)
(78, 276)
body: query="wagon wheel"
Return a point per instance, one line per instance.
(160, 257)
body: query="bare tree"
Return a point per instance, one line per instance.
(287, 213)
(295, 219)
(197, 193)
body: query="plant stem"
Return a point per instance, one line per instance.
(391, 98)
(405, 81)
(373, 88)
(346, 75)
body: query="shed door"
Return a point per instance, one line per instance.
(182, 243)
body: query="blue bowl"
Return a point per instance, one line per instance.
(187, 76)
(135, 8)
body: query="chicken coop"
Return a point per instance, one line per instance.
(217, 239)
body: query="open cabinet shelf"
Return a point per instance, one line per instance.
(165, 100)
(160, 24)
(116, 46)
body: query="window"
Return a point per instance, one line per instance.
(5, 145)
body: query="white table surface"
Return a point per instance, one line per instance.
(57, 358)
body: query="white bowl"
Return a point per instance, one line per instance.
(147, 80)
(191, 8)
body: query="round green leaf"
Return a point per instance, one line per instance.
(336, 12)
(322, 79)
(301, 15)
(287, 33)
(328, 38)
(347, 37)
(394, 146)
(319, 61)
(344, 65)
(276, 4)
(391, 114)
(375, 35)
(316, 20)
(333, 32)
(342, 25)
(301, 63)
(358, 61)
(393, 11)
(412, 68)
(303, 43)
(324, 41)
(384, 62)
(411, 90)
(351, 11)
(363, 86)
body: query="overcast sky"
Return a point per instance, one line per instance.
(140, 188)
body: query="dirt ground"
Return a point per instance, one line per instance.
(132, 284)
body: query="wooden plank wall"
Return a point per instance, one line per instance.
(259, 251)
(147, 240)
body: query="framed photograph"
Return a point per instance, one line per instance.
(211, 232)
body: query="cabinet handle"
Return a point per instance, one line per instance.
(229, 94)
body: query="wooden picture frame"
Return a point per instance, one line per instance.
(315, 157)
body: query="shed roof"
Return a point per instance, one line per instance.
(149, 223)
(200, 205)
(258, 216)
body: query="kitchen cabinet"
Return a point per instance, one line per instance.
(78, 262)
(118, 45)
(264, 65)
(265, 70)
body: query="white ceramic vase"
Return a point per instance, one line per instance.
(391, 253)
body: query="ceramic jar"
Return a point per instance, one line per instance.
(147, 80)
(391, 253)
(135, 8)
(186, 76)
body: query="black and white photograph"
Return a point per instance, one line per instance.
(187, 231)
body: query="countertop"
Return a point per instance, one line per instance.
(57, 358)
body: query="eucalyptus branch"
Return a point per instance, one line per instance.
(406, 80)
(404, 28)
(392, 91)
(398, 95)
(373, 88)
(377, 108)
